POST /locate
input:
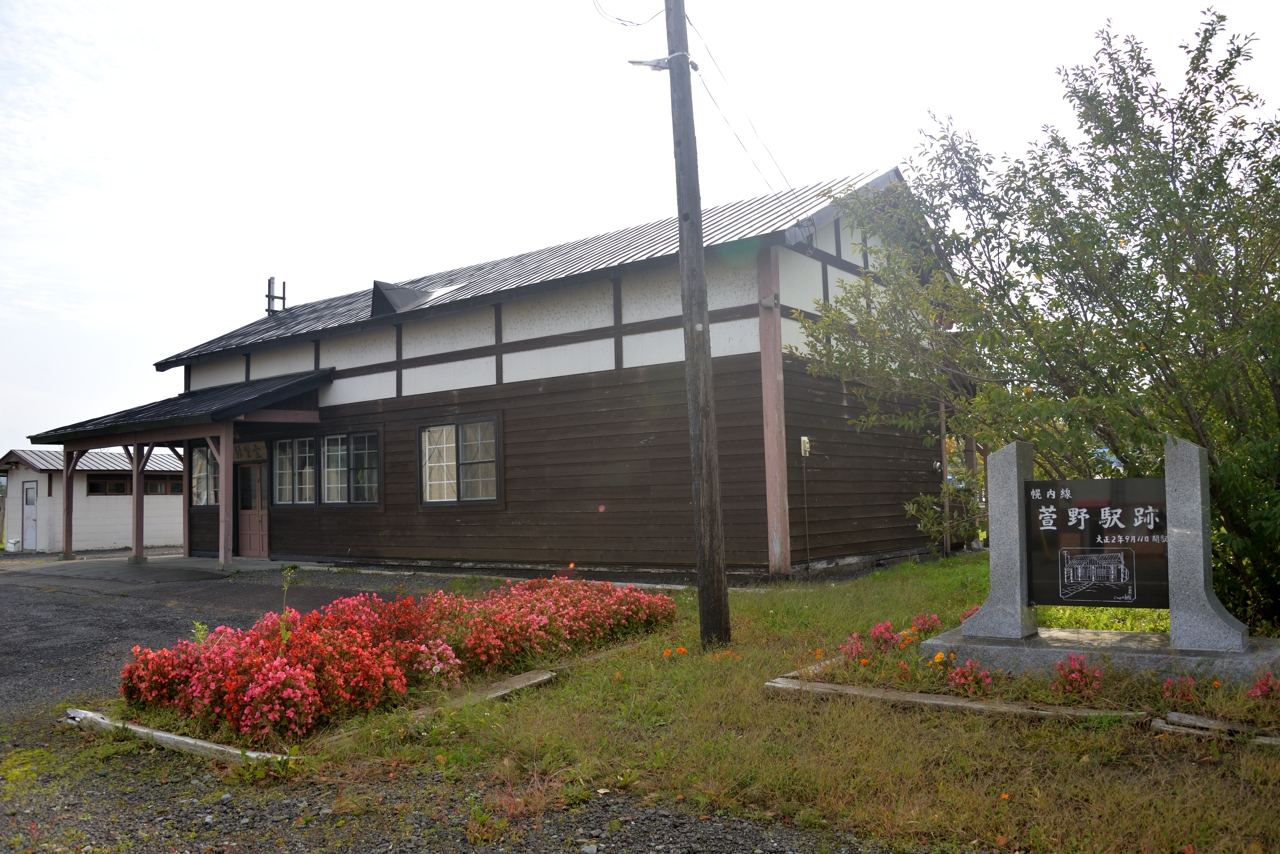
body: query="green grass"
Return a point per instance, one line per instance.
(1114, 619)
(700, 727)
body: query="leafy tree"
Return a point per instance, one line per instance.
(1112, 285)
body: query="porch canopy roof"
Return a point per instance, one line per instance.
(187, 415)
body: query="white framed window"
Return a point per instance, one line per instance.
(460, 462)
(284, 471)
(305, 471)
(204, 478)
(364, 468)
(295, 471)
(335, 469)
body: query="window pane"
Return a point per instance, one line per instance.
(335, 469)
(175, 486)
(284, 471)
(306, 450)
(477, 442)
(478, 473)
(364, 467)
(204, 477)
(478, 481)
(439, 463)
(157, 487)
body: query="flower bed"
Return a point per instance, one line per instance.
(291, 672)
(890, 658)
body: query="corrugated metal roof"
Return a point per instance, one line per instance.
(723, 224)
(197, 407)
(161, 461)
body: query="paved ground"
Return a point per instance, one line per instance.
(66, 629)
(69, 625)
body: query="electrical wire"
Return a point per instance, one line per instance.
(729, 86)
(623, 21)
(703, 81)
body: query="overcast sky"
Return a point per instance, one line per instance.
(158, 161)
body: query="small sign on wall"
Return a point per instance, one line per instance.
(250, 452)
(1098, 542)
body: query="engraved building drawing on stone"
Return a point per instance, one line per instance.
(1094, 575)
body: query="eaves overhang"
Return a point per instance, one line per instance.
(205, 406)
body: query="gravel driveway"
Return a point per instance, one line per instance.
(65, 632)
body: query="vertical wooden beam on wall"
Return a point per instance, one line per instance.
(399, 358)
(497, 342)
(186, 498)
(777, 514)
(69, 462)
(317, 343)
(246, 368)
(186, 378)
(226, 494)
(617, 322)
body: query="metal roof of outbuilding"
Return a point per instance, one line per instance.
(205, 406)
(786, 211)
(92, 461)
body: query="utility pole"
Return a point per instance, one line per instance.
(713, 589)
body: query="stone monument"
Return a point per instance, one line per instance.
(1143, 543)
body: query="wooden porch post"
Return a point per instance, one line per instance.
(140, 456)
(184, 458)
(70, 459)
(777, 514)
(226, 496)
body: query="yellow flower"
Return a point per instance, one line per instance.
(938, 657)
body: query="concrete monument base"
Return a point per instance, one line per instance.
(1137, 651)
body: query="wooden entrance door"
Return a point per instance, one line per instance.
(29, 490)
(251, 496)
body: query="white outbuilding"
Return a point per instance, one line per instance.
(103, 485)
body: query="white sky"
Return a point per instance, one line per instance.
(159, 160)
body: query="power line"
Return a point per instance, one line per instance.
(623, 21)
(729, 86)
(703, 81)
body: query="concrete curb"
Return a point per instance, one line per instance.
(799, 681)
(94, 722)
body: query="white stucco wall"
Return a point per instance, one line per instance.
(279, 361)
(356, 389)
(461, 331)
(568, 310)
(792, 335)
(468, 373)
(731, 282)
(370, 347)
(649, 296)
(229, 369)
(799, 280)
(582, 358)
(100, 521)
(653, 348)
(825, 239)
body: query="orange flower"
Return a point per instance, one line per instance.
(681, 651)
(666, 653)
(1217, 684)
(1004, 796)
(865, 660)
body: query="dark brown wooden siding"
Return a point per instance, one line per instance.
(204, 529)
(857, 481)
(594, 469)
